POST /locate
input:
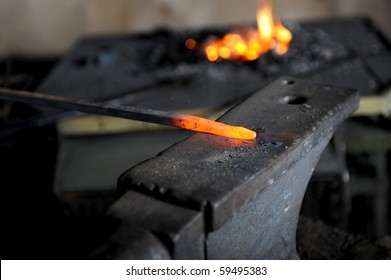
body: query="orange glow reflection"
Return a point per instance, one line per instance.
(248, 44)
(233, 143)
(212, 127)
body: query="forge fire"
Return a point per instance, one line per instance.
(248, 43)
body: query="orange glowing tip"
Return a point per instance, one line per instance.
(217, 128)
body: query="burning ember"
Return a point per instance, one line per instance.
(248, 44)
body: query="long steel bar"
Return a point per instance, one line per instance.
(146, 115)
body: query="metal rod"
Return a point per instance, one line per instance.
(146, 115)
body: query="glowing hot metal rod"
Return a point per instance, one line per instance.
(146, 115)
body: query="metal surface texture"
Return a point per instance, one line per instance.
(245, 191)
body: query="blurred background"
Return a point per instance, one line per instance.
(50, 27)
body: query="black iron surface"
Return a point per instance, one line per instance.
(221, 177)
(265, 228)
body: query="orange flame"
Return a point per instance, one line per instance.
(217, 128)
(248, 44)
